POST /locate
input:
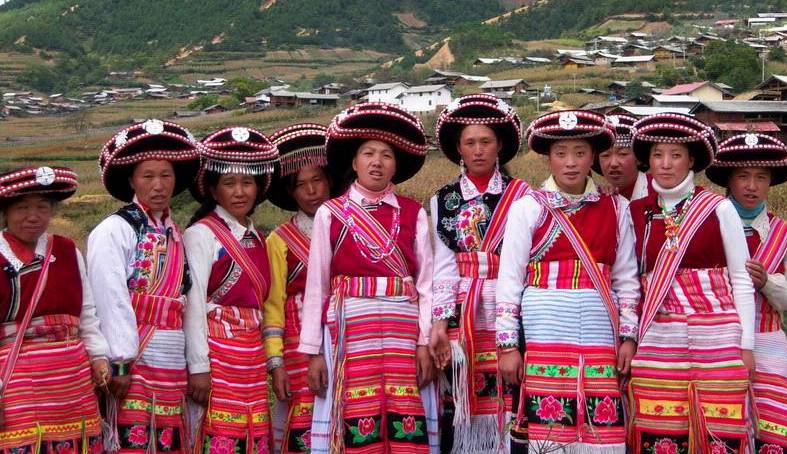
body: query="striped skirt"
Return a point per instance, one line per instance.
(152, 411)
(770, 391)
(49, 404)
(688, 382)
(376, 406)
(237, 419)
(571, 395)
(299, 409)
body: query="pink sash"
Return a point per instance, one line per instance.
(370, 229)
(13, 354)
(588, 261)
(771, 252)
(668, 262)
(297, 243)
(238, 254)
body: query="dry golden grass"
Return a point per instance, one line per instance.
(52, 143)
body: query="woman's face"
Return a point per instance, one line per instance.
(311, 188)
(570, 161)
(375, 164)
(479, 147)
(749, 185)
(670, 163)
(28, 218)
(236, 193)
(153, 183)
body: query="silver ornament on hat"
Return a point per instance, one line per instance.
(504, 106)
(121, 138)
(452, 106)
(614, 120)
(751, 139)
(45, 176)
(240, 134)
(568, 120)
(153, 126)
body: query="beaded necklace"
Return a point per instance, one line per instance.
(673, 219)
(370, 251)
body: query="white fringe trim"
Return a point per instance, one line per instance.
(460, 384)
(480, 436)
(544, 447)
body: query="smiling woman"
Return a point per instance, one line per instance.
(692, 254)
(49, 318)
(231, 279)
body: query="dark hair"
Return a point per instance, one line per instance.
(211, 180)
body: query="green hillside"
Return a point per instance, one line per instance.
(161, 28)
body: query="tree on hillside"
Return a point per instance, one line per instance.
(243, 88)
(732, 63)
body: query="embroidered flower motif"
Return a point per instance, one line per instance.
(138, 435)
(719, 447)
(665, 446)
(770, 449)
(166, 437)
(222, 445)
(606, 412)
(366, 426)
(550, 409)
(408, 424)
(307, 439)
(366, 429)
(680, 409)
(658, 409)
(480, 383)
(64, 447)
(407, 428)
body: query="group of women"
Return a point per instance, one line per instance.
(559, 318)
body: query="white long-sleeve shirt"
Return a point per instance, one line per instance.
(202, 251)
(89, 325)
(523, 220)
(736, 253)
(318, 278)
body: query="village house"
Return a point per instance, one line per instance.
(773, 89)
(511, 87)
(425, 98)
(685, 101)
(734, 117)
(703, 90)
(618, 87)
(387, 92)
(576, 63)
(665, 52)
(646, 62)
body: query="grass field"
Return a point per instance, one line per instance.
(50, 142)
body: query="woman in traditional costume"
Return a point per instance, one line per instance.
(137, 268)
(370, 283)
(618, 165)
(230, 279)
(689, 378)
(51, 343)
(748, 165)
(568, 278)
(480, 133)
(302, 185)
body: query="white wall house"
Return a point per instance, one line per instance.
(387, 92)
(425, 98)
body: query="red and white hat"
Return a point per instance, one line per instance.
(570, 124)
(749, 150)
(300, 145)
(479, 109)
(675, 128)
(238, 150)
(150, 140)
(624, 135)
(385, 122)
(57, 183)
